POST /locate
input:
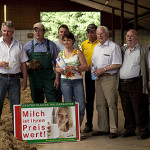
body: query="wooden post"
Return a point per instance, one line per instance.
(113, 25)
(135, 14)
(122, 22)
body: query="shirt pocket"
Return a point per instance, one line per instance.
(136, 60)
(105, 59)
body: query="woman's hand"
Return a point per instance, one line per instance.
(70, 68)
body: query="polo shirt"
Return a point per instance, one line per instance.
(87, 49)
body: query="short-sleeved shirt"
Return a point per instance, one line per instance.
(15, 55)
(61, 47)
(107, 54)
(42, 47)
(131, 63)
(87, 49)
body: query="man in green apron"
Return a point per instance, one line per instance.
(43, 80)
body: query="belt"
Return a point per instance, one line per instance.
(131, 79)
(107, 74)
(9, 75)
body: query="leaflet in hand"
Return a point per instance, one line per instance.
(61, 62)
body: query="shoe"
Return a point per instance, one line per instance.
(82, 137)
(99, 133)
(113, 135)
(128, 134)
(87, 129)
(142, 136)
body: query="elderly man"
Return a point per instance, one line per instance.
(42, 80)
(133, 86)
(87, 48)
(107, 58)
(12, 60)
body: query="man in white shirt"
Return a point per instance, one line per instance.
(12, 61)
(107, 58)
(133, 86)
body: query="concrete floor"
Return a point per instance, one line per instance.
(101, 142)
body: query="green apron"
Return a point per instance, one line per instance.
(42, 81)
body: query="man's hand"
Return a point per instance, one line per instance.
(4, 64)
(98, 72)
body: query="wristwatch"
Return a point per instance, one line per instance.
(77, 68)
(105, 69)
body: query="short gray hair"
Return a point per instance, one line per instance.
(105, 28)
(9, 24)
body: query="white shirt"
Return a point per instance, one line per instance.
(13, 55)
(106, 54)
(131, 63)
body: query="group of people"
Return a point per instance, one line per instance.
(125, 69)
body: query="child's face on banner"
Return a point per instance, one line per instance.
(62, 117)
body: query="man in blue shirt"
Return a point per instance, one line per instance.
(43, 81)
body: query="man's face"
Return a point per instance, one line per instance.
(91, 35)
(7, 33)
(102, 35)
(39, 33)
(131, 38)
(61, 32)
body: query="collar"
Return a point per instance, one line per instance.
(105, 44)
(13, 40)
(137, 46)
(88, 41)
(43, 41)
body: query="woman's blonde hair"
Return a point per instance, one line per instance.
(69, 113)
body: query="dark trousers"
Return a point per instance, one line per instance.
(134, 104)
(90, 94)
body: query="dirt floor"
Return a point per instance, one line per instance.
(7, 140)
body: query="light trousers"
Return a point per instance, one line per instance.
(106, 103)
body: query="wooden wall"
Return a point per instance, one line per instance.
(25, 13)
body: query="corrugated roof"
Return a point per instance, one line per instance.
(143, 7)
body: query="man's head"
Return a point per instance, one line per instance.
(102, 34)
(131, 38)
(91, 32)
(7, 29)
(62, 30)
(39, 31)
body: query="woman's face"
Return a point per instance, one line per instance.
(62, 117)
(68, 43)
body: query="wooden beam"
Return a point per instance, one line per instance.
(127, 2)
(111, 6)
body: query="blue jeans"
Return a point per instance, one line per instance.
(74, 89)
(12, 85)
